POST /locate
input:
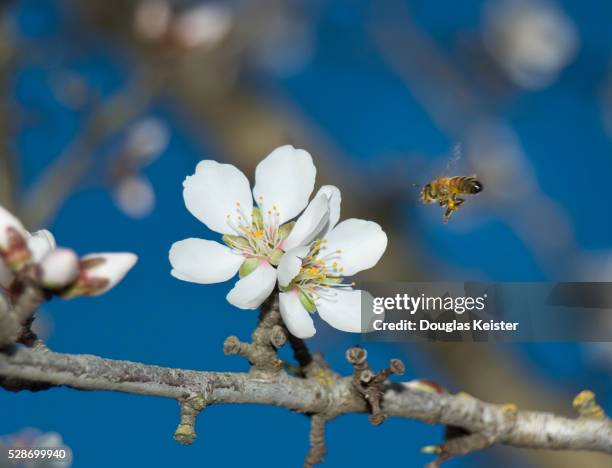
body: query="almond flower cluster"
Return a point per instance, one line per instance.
(36, 258)
(273, 237)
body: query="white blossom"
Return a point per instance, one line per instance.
(311, 278)
(256, 237)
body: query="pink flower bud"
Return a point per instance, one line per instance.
(13, 247)
(9, 223)
(59, 268)
(100, 272)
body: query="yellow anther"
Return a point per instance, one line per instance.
(341, 270)
(258, 234)
(338, 251)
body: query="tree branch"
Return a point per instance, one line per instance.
(35, 369)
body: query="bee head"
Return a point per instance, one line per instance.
(475, 186)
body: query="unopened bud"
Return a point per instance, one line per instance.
(59, 269)
(100, 272)
(8, 224)
(40, 244)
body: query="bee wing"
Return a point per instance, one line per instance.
(455, 157)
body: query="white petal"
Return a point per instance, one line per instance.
(296, 318)
(7, 220)
(341, 309)
(114, 268)
(310, 224)
(333, 195)
(361, 244)
(59, 268)
(290, 265)
(203, 261)
(253, 289)
(6, 275)
(284, 179)
(40, 244)
(216, 191)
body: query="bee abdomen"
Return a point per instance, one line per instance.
(466, 184)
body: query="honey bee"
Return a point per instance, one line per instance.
(446, 191)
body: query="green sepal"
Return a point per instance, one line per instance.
(275, 256)
(257, 218)
(285, 230)
(248, 266)
(307, 302)
(236, 242)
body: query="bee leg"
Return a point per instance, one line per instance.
(447, 214)
(459, 201)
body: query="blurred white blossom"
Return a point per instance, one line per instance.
(532, 40)
(146, 140)
(152, 19)
(203, 25)
(134, 196)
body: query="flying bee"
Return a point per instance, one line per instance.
(446, 191)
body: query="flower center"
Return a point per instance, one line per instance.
(260, 238)
(320, 273)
